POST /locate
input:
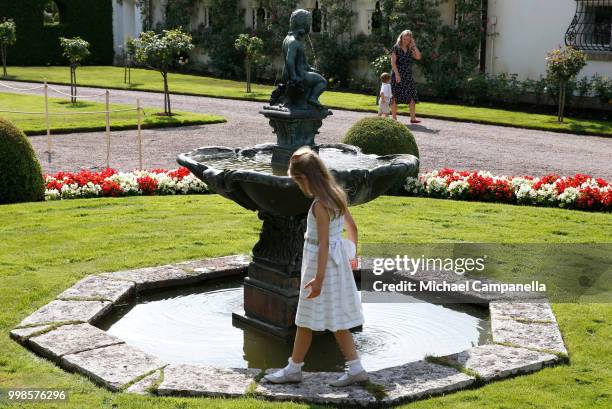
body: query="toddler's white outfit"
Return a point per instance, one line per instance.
(384, 107)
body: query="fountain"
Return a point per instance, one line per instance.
(256, 179)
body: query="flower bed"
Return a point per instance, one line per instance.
(577, 192)
(111, 183)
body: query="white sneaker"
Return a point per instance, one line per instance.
(283, 377)
(348, 379)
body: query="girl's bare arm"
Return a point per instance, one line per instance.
(323, 236)
(351, 227)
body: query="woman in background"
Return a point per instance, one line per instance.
(402, 82)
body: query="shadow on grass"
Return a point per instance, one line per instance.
(75, 105)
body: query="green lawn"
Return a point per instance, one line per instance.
(34, 124)
(112, 77)
(46, 247)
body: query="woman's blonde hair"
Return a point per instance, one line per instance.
(399, 37)
(306, 164)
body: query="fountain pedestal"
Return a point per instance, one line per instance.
(272, 287)
(294, 128)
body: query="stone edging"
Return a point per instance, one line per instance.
(525, 335)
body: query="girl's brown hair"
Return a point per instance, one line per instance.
(306, 164)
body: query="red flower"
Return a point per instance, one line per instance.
(147, 185)
(110, 188)
(179, 173)
(551, 178)
(589, 198)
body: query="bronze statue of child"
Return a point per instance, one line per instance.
(297, 72)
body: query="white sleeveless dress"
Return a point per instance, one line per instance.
(338, 306)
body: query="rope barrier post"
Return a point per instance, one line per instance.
(139, 134)
(107, 130)
(47, 122)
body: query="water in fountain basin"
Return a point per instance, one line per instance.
(195, 326)
(261, 162)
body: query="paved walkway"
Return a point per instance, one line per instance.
(501, 150)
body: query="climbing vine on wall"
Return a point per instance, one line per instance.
(333, 48)
(178, 13)
(450, 52)
(218, 39)
(456, 56)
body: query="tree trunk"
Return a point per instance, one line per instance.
(167, 108)
(247, 63)
(561, 102)
(3, 49)
(73, 87)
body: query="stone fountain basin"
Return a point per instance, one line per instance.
(525, 339)
(246, 176)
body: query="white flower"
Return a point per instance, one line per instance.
(127, 181)
(436, 186)
(568, 197)
(413, 185)
(52, 194)
(458, 188)
(525, 193)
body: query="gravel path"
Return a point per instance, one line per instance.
(501, 150)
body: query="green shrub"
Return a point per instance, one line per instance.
(381, 136)
(21, 178)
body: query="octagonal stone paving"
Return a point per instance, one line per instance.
(493, 362)
(153, 277)
(184, 273)
(200, 380)
(535, 335)
(217, 267)
(416, 380)
(143, 386)
(61, 331)
(315, 388)
(71, 339)
(539, 311)
(113, 366)
(21, 335)
(58, 311)
(98, 288)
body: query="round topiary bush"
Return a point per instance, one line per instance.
(381, 136)
(21, 178)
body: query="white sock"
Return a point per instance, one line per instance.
(291, 368)
(354, 367)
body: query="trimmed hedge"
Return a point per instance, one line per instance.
(38, 44)
(21, 178)
(381, 136)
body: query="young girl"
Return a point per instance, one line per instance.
(328, 295)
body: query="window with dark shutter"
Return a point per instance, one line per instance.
(591, 27)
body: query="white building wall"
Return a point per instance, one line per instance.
(528, 29)
(127, 23)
